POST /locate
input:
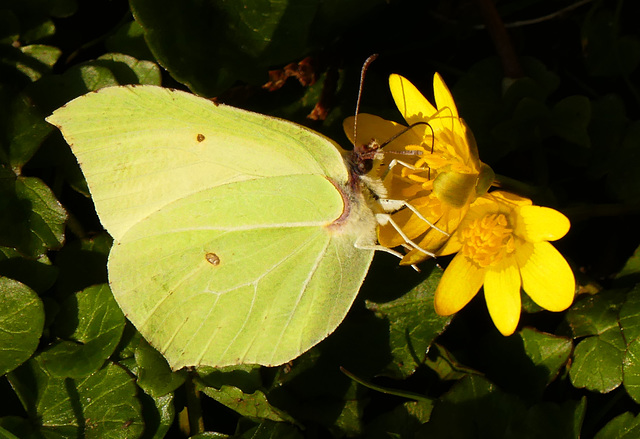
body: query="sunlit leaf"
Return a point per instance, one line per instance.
(253, 405)
(36, 219)
(21, 323)
(154, 374)
(597, 363)
(92, 406)
(90, 324)
(413, 325)
(624, 426)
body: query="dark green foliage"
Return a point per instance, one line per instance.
(566, 133)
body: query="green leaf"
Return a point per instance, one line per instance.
(625, 160)
(83, 263)
(597, 363)
(443, 363)
(608, 53)
(38, 275)
(110, 69)
(159, 414)
(400, 422)
(555, 421)
(546, 351)
(245, 376)
(154, 374)
(92, 323)
(596, 314)
(487, 412)
(413, 325)
(14, 427)
(388, 390)
(22, 130)
(631, 268)
(607, 128)
(527, 127)
(216, 435)
(63, 8)
(631, 370)
(35, 219)
(31, 19)
(21, 323)
(55, 90)
(476, 408)
(129, 70)
(39, 60)
(570, 118)
(624, 426)
(95, 406)
(129, 39)
(26, 64)
(254, 405)
(525, 364)
(9, 27)
(629, 315)
(264, 430)
(597, 360)
(241, 40)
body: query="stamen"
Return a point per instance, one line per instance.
(488, 239)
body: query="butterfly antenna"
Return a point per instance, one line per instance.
(398, 134)
(365, 66)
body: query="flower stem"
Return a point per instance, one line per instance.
(193, 410)
(516, 186)
(501, 41)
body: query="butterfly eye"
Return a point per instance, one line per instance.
(365, 166)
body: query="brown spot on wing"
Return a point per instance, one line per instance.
(212, 258)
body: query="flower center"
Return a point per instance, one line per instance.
(488, 239)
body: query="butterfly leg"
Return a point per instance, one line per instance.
(385, 218)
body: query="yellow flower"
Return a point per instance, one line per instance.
(502, 244)
(448, 162)
(434, 167)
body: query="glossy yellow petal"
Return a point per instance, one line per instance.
(510, 199)
(414, 257)
(460, 282)
(443, 96)
(375, 128)
(433, 240)
(347, 126)
(403, 188)
(411, 225)
(546, 275)
(430, 208)
(537, 223)
(471, 147)
(502, 294)
(412, 105)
